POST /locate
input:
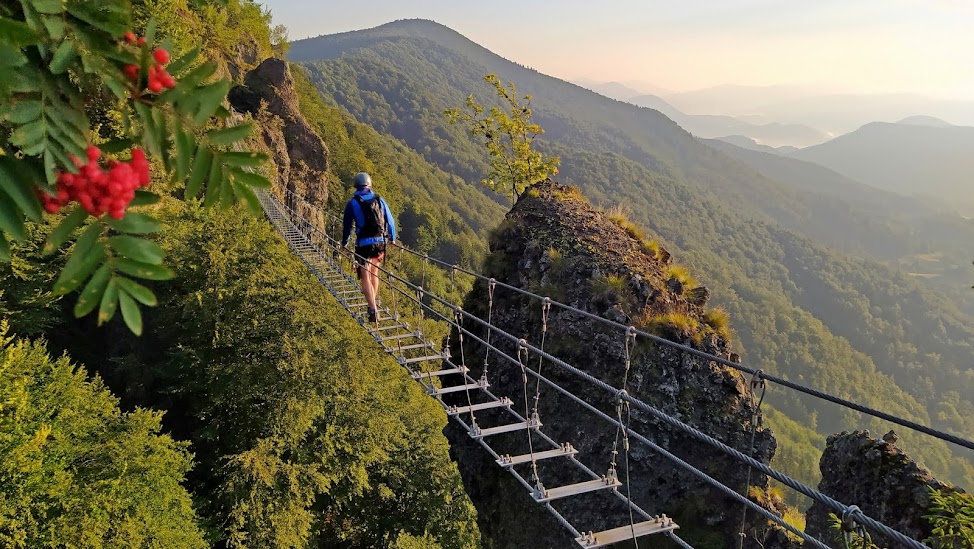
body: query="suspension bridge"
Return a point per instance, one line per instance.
(301, 225)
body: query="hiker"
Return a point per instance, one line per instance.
(374, 227)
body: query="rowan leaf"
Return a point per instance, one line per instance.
(109, 303)
(4, 249)
(177, 65)
(137, 248)
(201, 168)
(24, 111)
(184, 153)
(250, 179)
(143, 270)
(79, 267)
(16, 33)
(144, 198)
(11, 220)
(64, 229)
(141, 294)
(226, 136)
(93, 291)
(213, 184)
(244, 159)
(135, 223)
(15, 181)
(208, 100)
(130, 312)
(247, 194)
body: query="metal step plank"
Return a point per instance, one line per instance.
(408, 361)
(477, 432)
(456, 388)
(504, 402)
(391, 327)
(414, 346)
(575, 489)
(400, 336)
(565, 450)
(448, 371)
(623, 533)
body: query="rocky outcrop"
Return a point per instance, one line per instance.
(880, 479)
(298, 152)
(556, 244)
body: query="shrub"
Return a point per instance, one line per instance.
(610, 286)
(719, 321)
(651, 248)
(675, 324)
(681, 275)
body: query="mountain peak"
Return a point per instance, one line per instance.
(923, 120)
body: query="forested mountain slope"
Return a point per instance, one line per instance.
(893, 228)
(848, 325)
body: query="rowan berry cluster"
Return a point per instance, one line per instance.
(100, 191)
(158, 78)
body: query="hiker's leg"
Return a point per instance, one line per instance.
(374, 267)
(365, 277)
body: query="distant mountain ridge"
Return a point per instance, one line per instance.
(923, 120)
(716, 126)
(906, 158)
(836, 113)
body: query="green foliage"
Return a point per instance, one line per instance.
(235, 34)
(62, 60)
(508, 138)
(682, 275)
(304, 431)
(611, 287)
(799, 450)
(853, 540)
(651, 247)
(672, 325)
(406, 541)
(620, 217)
(719, 321)
(443, 216)
(952, 518)
(77, 472)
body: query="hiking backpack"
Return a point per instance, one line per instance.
(371, 220)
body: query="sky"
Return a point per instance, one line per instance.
(848, 46)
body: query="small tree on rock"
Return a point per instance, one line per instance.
(508, 137)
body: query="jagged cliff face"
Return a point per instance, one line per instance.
(556, 244)
(299, 154)
(879, 478)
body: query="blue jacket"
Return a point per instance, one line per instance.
(353, 214)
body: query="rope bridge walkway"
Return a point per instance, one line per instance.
(432, 367)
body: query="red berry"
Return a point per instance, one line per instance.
(155, 86)
(94, 153)
(161, 55)
(168, 81)
(132, 71)
(129, 37)
(141, 41)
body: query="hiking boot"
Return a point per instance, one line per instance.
(373, 315)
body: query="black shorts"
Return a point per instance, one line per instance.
(372, 251)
